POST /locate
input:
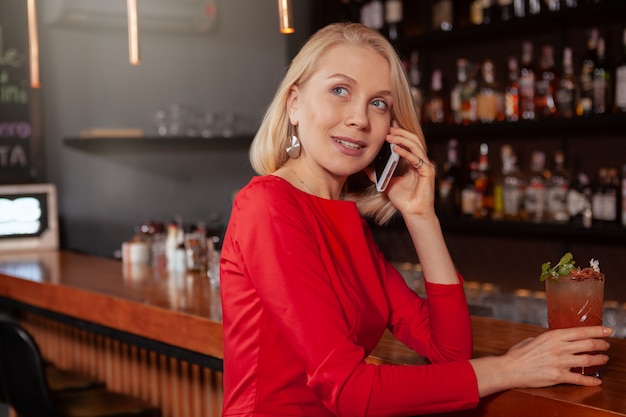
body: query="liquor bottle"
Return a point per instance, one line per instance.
(393, 19)
(180, 253)
(455, 92)
(476, 12)
(511, 92)
(483, 185)
(415, 77)
(558, 186)
(567, 87)
(171, 243)
(545, 84)
(489, 100)
(468, 194)
(462, 96)
(449, 186)
(512, 185)
(519, 8)
(600, 206)
(607, 195)
(553, 5)
(373, 15)
(195, 243)
(620, 79)
(435, 105)
(579, 200)
(527, 83)
(601, 80)
(489, 11)
(365, 15)
(443, 15)
(624, 195)
(506, 10)
(534, 7)
(498, 198)
(585, 100)
(535, 195)
(613, 197)
(468, 97)
(158, 256)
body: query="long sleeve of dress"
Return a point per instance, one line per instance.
(438, 328)
(306, 298)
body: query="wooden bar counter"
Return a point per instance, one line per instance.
(155, 336)
(158, 336)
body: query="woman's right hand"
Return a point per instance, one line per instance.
(545, 360)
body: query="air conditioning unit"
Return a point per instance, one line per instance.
(183, 16)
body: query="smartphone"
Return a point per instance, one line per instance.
(385, 164)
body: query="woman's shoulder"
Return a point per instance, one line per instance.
(272, 191)
(267, 189)
(266, 185)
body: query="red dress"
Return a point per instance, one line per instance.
(307, 295)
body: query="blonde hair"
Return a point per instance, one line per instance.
(267, 152)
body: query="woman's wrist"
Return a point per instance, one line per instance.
(422, 219)
(492, 375)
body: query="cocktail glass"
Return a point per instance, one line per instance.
(576, 300)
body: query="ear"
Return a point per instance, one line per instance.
(292, 104)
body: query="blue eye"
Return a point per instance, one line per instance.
(340, 91)
(380, 104)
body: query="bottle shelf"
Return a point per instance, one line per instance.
(147, 143)
(589, 142)
(573, 126)
(566, 18)
(605, 233)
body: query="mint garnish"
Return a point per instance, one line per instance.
(563, 268)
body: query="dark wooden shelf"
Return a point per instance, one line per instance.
(565, 19)
(527, 128)
(604, 232)
(609, 233)
(157, 143)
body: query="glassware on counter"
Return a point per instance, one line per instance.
(575, 297)
(213, 258)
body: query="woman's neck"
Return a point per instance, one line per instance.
(306, 180)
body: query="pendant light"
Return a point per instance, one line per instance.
(133, 32)
(33, 44)
(285, 17)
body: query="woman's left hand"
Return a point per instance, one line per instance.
(412, 193)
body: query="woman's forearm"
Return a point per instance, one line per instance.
(431, 248)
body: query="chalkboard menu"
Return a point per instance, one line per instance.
(20, 118)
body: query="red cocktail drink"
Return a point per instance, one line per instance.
(576, 300)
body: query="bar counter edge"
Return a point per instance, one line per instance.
(96, 294)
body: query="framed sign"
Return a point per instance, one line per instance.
(20, 114)
(28, 217)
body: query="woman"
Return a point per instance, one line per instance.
(307, 295)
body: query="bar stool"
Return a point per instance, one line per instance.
(64, 380)
(25, 387)
(60, 379)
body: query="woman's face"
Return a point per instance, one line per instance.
(343, 112)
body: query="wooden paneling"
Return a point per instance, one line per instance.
(176, 386)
